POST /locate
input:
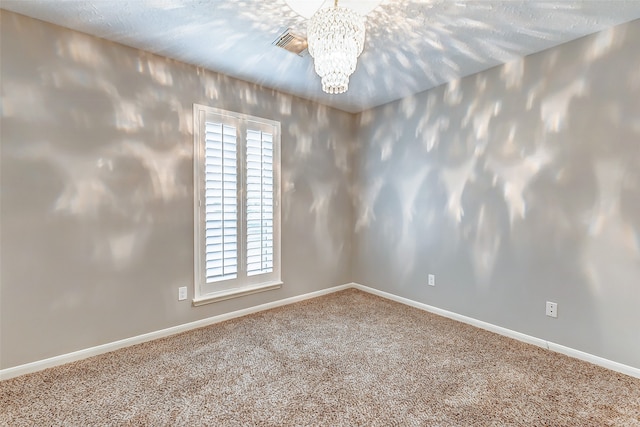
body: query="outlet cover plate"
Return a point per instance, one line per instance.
(182, 293)
(552, 309)
(432, 280)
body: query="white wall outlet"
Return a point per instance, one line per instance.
(432, 280)
(552, 309)
(182, 293)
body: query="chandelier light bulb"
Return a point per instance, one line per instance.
(336, 39)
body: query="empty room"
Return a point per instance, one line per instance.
(320, 213)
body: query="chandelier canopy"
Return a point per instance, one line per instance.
(336, 38)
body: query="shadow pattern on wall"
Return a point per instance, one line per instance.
(97, 189)
(515, 186)
(411, 45)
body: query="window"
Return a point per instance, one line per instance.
(237, 204)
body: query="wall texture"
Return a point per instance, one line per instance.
(515, 186)
(96, 201)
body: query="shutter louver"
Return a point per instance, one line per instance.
(221, 202)
(259, 202)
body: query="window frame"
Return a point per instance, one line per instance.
(243, 284)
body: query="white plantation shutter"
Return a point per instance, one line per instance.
(221, 202)
(237, 207)
(259, 155)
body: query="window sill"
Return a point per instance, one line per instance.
(235, 293)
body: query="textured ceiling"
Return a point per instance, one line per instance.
(411, 46)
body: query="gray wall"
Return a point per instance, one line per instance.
(515, 186)
(96, 200)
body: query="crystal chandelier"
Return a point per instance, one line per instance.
(336, 39)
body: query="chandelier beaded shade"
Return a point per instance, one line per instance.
(336, 39)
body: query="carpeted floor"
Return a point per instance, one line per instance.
(348, 358)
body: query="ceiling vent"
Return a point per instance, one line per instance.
(292, 42)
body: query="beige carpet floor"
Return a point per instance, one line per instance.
(345, 359)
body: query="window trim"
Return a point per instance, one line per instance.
(205, 293)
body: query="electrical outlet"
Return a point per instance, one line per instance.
(182, 293)
(432, 280)
(552, 309)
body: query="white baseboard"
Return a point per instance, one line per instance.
(568, 351)
(39, 365)
(105, 348)
(596, 360)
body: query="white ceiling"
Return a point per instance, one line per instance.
(411, 45)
